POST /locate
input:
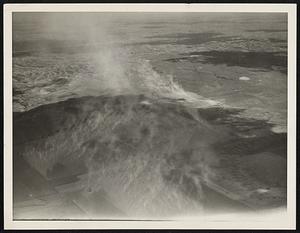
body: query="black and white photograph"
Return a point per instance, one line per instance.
(150, 116)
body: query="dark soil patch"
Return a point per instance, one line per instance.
(186, 39)
(258, 60)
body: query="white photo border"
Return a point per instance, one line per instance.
(284, 220)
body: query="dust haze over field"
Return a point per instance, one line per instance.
(153, 115)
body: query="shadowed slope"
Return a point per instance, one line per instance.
(154, 159)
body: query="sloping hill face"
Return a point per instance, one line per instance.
(154, 158)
